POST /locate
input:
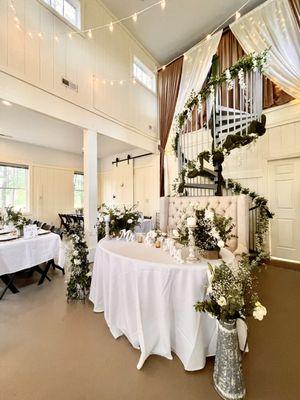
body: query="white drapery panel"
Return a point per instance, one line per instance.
(273, 25)
(196, 64)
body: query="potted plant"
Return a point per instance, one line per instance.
(230, 296)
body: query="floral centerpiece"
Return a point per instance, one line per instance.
(231, 296)
(211, 233)
(9, 215)
(120, 218)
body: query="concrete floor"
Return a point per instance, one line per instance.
(53, 350)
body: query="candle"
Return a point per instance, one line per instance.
(157, 244)
(191, 222)
(140, 239)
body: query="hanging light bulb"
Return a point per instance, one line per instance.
(134, 17)
(40, 35)
(56, 38)
(163, 4)
(17, 20)
(111, 27)
(70, 35)
(104, 82)
(30, 35)
(112, 83)
(121, 82)
(90, 35)
(18, 27)
(237, 15)
(134, 81)
(208, 36)
(163, 67)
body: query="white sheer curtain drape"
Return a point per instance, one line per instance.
(273, 25)
(196, 65)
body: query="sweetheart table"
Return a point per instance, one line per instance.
(148, 297)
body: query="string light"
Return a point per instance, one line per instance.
(163, 4)
(133, 81)
(40, 35)
(90, 35)
(208, 37)
(111, 27)
(237, 15)
(163, 67)
(104, 82)
(30, 35)
(112, 83)
(56, 38)
(70, 35)
(134, 17)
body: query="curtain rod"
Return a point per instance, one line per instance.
(130, 158)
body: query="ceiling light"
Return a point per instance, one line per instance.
(6, 103)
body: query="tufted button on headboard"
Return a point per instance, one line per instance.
(236, 207)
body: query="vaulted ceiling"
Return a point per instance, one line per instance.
(168, 33)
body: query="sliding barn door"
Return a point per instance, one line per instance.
(284, 189)
(122, 184)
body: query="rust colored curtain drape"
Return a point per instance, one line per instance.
(168, 81)
(229, 51)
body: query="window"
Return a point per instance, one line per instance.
(69, 9)
(14, 186)
(144, 75)
(78, 190)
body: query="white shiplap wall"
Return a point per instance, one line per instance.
(43, 62)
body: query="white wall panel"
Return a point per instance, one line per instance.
(43, 62)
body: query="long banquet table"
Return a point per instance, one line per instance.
(148, 297)
(19, 254)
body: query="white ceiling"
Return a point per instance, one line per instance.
(169, 33)
(29, 126)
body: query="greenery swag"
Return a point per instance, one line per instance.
(80, 276)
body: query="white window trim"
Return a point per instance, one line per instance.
(136, 60)
(77, 173)
(62, 18)
(28, 188)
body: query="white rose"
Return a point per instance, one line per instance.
(77, 262)
(175, 233)
(130, 221)
(222, 301)
(214, 233)
(89, 274)
(75, 253)
(259, 311)
(221, 243)
(208, 214)
(101, 219)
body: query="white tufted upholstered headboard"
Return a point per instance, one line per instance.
(236, 207)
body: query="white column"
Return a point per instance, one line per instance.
(90, 168)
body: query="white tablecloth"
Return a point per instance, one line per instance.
(149, 298)
(20, 254)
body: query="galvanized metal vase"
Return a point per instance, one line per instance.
(228, 376)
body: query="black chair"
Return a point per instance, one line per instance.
(45, 226)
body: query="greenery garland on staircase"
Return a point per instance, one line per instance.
(250, 62)
(80, 276)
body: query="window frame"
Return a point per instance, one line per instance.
(27, 185)
(146, 70)
(76, 190)
(77, 4)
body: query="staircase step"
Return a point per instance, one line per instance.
(210, 186)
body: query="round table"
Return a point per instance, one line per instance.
(148, 297)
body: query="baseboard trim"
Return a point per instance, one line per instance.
(285, 264)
